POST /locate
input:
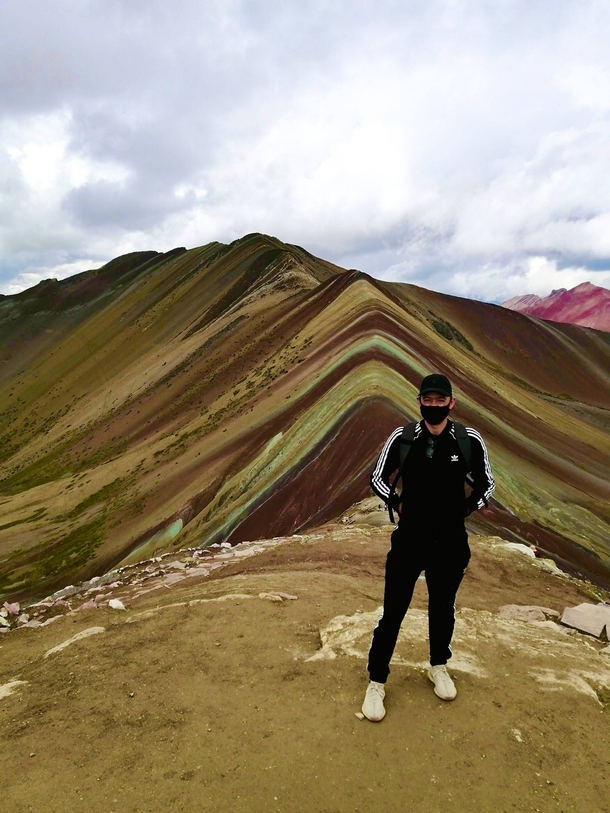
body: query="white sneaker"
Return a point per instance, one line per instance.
(444, 687)
(372, 708)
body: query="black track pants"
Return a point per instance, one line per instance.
(444, 561)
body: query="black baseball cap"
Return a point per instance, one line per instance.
(436, 382)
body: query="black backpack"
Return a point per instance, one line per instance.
(406, 439)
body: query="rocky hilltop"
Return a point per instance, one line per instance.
(231, 678)
(243, 391)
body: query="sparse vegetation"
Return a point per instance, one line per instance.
(37, 566)
(36, 515)
(449, 332)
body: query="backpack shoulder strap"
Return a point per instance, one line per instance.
(464, 442)
(406, 439)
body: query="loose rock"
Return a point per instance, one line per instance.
(8, 688)
(79, 636)
(517, 547)
(526, 612)
(590, 618)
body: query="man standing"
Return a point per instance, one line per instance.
(430, 535)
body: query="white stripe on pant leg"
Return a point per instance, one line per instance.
(454, 610)
(449, 642)
(372, 636)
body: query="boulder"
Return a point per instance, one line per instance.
(526, 612)
(277, 595)
(549, 566)
(589, 618)
(551, 625)
(517, 547)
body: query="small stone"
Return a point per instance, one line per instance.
(12, 609)
(287, 595)
(116, 604)
(360, 715)
(32, 754)
(176, 565)
(52, 619)
(516, 734)
(23, 619)
(270, 596)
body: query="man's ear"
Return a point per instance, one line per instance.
(452, 403)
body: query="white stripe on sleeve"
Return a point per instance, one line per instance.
(376, 476)
(490, 488)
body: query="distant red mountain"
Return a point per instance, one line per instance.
(586, 304)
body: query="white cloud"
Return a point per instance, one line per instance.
(446, 143)
(536, 275)
(29, 277)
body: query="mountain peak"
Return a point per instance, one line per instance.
(585, 304)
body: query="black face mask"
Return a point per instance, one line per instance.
(434, 414)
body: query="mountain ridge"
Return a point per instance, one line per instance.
(586, 304)
(212, 399)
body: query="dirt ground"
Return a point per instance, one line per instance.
(204, 697)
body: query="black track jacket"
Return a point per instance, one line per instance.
(433, 494)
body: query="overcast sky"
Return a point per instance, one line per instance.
(462, 146)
